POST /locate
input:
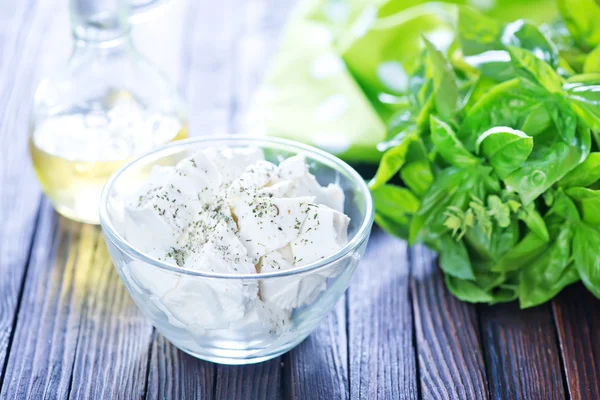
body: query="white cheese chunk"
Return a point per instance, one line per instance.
(289, 292)
(230, 211)
(156, 216)
(256, 176)
(157, 281)
(323, 233)
(203, 172)
(232, 162)
(264, 319)
(203, 303)
(206, 224)
(296, 170)
(279, 189)
(266, 224)
(222, 253)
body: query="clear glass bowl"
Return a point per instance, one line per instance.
(177, 299)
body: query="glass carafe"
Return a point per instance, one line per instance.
(106, 106)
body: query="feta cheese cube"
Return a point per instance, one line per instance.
(289, 292)
(266, 224)
(156, 217)
(256, 176)
(323, 233)
(296, 170)
(203, 172)
(232, 162)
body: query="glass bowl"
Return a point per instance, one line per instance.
(181, 301)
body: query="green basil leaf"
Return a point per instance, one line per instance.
(551, 159)
(466, 290)
(547, 275)
(394, 201)
(534, 221)
(477, 32)
(494, 247)
(592, 62)
(538, 120)
(418, 176)
(392, 161)
(506, 104)
(522, 254)
(581, 18)
(535, 71)
(444, 81)
(586, 243)
(584, 95)
(454, 259)
(563, 116)
(585, 174)
(480, 42)
(504, 293)
(588, 202)
(395, 227)
(451, 187)
(435, 201)
(527, 36)
(416, 172)
(448, 145)
(564, 207)
(505, 148)
(533, 293)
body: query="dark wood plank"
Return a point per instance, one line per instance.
(253, 382)
(380, 335)
(113, 332)
(19, 193)
(47, 329)
(577, 319)
(318, 367)
(522, 355)
(450, 356)
(177, 375)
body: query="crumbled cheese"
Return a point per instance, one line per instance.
(230, 211)
(288, 292)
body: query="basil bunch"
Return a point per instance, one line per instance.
(493, 157)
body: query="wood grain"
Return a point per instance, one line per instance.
(47, 328)
(522, 355)
(113, 332)
(177, 375)
(577, 319)
(450, 356)
(381, 353)
(318, 367)
(19, 191)
(253, 382)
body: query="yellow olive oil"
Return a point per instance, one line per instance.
(74, 154)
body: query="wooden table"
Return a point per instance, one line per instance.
(68, 328)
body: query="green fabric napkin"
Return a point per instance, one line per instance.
(342, 66)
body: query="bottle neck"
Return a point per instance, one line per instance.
(101, 22)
